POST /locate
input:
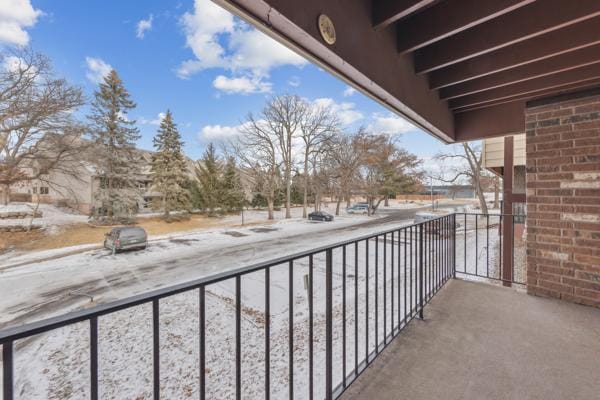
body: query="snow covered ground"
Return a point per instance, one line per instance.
(479, 251)
(51, 216)
(56, 365)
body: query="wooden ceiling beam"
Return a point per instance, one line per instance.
(525, 23)
(582, 74)
(386, 12)
(564, 62)
(449, 18)
(501, 120)
(552, 44)
(534, 96)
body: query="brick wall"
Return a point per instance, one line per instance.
(563, 200)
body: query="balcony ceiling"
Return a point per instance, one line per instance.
(461, 70)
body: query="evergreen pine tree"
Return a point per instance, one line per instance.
(169, 168)
(208, 173)
(232, 193)
(117, 162)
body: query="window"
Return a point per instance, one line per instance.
(34, 190)
(44, 190)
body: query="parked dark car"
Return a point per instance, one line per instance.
(320, 216)
(126, 238)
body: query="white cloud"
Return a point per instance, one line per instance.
(143, 26)
(390, 124)
(156, 121)
(243, 85)
(345, 111)
(349, 91)
(294, 81)
(220, 131)
(15, 17)
(97, 69)
(220, 41)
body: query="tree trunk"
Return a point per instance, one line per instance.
(6, 196)
(387, 201)
(376, 206)
(305, 196)
(270, 206)
(482, 203)
(337, 206)
(496, 192)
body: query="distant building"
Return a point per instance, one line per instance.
(78, 193)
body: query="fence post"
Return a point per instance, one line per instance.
(421, 270)
(454, 245)
(328, 326)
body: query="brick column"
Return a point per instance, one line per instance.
(563, 199)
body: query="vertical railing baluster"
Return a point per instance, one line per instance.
(410, 271)
(454, 246)
(344, 315)
(384, 288)
(356, 308)
(202, 323)
(443, 251)
(399, 263)
(376, 294)
(500, 234)
(291, 328)
(421, 271)
(328, 325)
(487, 245)
(94, 358)
(476, 244)
(367, 302)
(156, 347)
(267, 333)
(310, 329)
(406, 278)
(439, 254)
(465, 243)
(512, 260)
(430, 258)
(7, 371)
(392, 285)
(238, 337)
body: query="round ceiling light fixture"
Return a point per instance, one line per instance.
(327, 29)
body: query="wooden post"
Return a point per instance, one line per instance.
(507, 210)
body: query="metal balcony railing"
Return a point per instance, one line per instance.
(342, 305)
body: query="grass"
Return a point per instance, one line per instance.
(78, 234)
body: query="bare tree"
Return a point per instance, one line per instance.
(38, 135)
(469, 166)
(385, 168)
(318, 126)
(344, 158)
(322, 176)
(256, 152)
(283, 116)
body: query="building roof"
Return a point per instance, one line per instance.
(461, 70)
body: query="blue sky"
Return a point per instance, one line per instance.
(192, 57)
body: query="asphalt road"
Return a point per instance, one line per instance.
(58, 296)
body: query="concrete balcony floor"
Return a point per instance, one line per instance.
(479, 341)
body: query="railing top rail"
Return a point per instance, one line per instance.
(491, 214)
(45, 325)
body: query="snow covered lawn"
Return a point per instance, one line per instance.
(51, 216)
(56, 365)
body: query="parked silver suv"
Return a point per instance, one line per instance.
(126, 238)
